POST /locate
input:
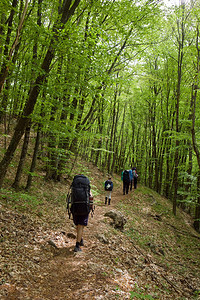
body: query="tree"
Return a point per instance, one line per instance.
(195, 87)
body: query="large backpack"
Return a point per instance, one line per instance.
(80, 194)
(126, 177)
(108, 185)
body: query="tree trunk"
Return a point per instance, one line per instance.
(34, 159)
(109, 157)
(196, 150)
(114, 140)
(195, 145)
(178, 93)
(22, 158)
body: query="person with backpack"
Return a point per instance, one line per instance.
(81, 205)
(126, 181)
(135, 176)
(131, 178)
(108, 185)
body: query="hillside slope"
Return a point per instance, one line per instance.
(156, 256)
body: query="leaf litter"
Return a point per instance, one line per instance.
(149, 259)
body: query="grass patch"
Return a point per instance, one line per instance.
(21, 201)
(139, 294)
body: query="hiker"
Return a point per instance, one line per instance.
(81, 205)
(126, 181)
(108, 188)
(135, 176)
(131, 178)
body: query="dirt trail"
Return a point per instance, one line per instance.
(93, 273)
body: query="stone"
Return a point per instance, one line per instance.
(118, 219)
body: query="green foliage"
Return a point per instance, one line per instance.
(21, 201)
(140, 295)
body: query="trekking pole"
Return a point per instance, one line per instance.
(91, 202)
(68, 200)
(92, 211)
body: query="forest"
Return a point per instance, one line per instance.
(113, 82)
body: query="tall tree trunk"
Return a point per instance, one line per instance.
(195, 145)
(22, 158)
(150, 162)
(178, 93)
(197, 152)
(161, 164)
(110, 147)
(100, 127)
(114, 140)
(120, 144)
(34, 159)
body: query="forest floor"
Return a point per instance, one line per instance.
(156, 256)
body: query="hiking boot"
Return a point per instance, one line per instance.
(77, 247)
(106, 200)
(109, 201)
(81, 242)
